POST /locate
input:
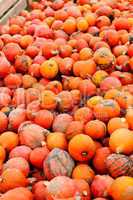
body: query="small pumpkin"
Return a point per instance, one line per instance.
(31, 134)
(56, 140)
(119, 165)
(101, 185)
(21, 193)
(61, 122)
(17, 163)
(83, 171)
(81, 147)
(99, 159)
(58, 163)
(12, 178)
(38, 155)
(22, 151)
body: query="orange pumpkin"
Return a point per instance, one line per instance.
(44, 118)
(129, 117)
(96, 129)
(81, 147)
(9, 140)
(12, 178)
(49, 69)
(121, 141)
(56, 140)
(116, 123)
(74, 128)
(100, 158)
(106, 109)
(48, 100)
(83, 171)
(121, 188)
(83, 114)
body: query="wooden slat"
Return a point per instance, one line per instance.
(20, 5)
(5, 5)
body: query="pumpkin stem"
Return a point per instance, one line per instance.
(46, 183)
(119, 150)
(43, 143)
(84, 153)
(85, 193)
(32, 180)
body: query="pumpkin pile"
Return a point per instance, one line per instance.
(66, 101)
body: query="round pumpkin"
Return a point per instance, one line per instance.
(121, 188)
(121, 141)
(81, 147)
(49, 69)
(56, 140)
(83, 171)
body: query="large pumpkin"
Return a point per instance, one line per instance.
(122, 188)
(58, 163)
(119, 165)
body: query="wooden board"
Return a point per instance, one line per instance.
(12, 10)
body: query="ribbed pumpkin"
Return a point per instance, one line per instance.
(61, 187)
(119, 165)
(58, 163)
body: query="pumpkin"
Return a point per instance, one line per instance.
(83, 171)
(87, 88)
(103, 57)
(99, 159)
(28, 81)
(110, 83)
(44, 118)
(81, 147)
(17, 163)
(121, 141)
(54, 86)
(21, 193)
(121, 188)
(119, 165)
(65, 187)
(83, 114)
(39, 190)
(74, 128)
(16, 117)
(3, 122)
(106, 109)
(61, 122)
(116, 123)
(12, 178)
(83, 188)
(49, 69)
(65, 101)
(48, 100)
(96, 129)
(56, 140)
(58, 163)
(101, 185)
(13, 81)
(99, 76)
(11, 50)
(31, 135)
(22, 63)
(9, 140)
(38, 155)
(20, 151)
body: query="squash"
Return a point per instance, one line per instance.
(58, 163)
(119, 165)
